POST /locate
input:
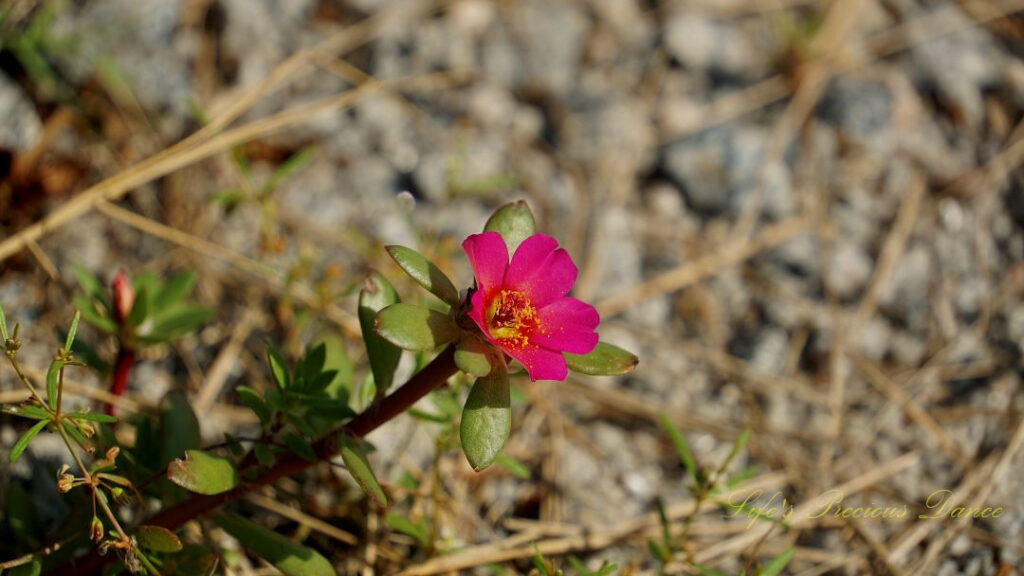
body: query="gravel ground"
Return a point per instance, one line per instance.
(805, 217)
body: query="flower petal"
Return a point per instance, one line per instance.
(541, 363)
(567, 324)
(489, 258)
(541, 270)
(476, 312)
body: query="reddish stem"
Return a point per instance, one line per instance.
(431, 377)
(122, 367)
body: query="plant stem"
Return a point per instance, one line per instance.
(122, 368)
(432, 376)
(24, 380)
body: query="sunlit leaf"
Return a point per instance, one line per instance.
(473, 356)
(384, 356)
(779, 563)
(418, 530)
(514, 222)
(277, 367)
(486, 419)
(290, 558)
(605, 360)
(425, 273)
(157, 539)
(203, 473)
(254, 402)
(415, 327)
(354, 455)
(174, 290)
(27, 437)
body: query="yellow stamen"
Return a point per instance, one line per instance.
(511, 317)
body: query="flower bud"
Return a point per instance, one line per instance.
(124, 297)
(65, 483)
(96, 529)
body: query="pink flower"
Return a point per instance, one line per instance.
(522, 306)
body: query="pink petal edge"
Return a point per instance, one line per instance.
(541, 363)
(568, 325)
(488, 256)
(545, 281)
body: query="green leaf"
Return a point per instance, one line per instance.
(254, 402)
(91, 417)
(737, 447)
(419, 530)
(73, 430)
(331, 409)
(140, 308)
(291, 165)
(354, 455)
(338, 362)
(301, 447)
(425, 273)
(93, 316)
(384, 356)
(89, 283)
(681, 446)
(3, 327)
(287, 556)
(514, 222)
(486, 419)
(473, 356)
(775, 567)
(72, 331)
(52, 379)
(277, 367)
(416, 328)
(179, 427)
(27, 411)
(178, 322)
(157, 539)
(175, 289)
(658, 551)
(192, 560)
(514, 466)
(27, 437)
(203, 473)
(313, 364)
(604, 360)
(264, 454)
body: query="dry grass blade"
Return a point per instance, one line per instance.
(302, 518)
(580, 541)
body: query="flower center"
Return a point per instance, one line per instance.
(511, 317)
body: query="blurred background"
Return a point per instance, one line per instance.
(804, 216)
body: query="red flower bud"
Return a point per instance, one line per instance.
(124, 297)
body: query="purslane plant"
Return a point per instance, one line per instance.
(517, 311)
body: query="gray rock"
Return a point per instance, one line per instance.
(907, 291)
(716, 168)
(856, 106)
(21, 126)
(156, 68)
(848, 270)
(703, 44)
(552, 35)
(959, 65)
